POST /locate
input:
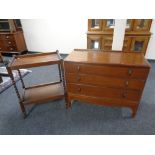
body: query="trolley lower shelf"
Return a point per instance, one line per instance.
(43, 93)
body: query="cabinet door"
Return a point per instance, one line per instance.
(94, 24)
(107, 42)
(108, 24)
(94, 42)
(126, 43)
(142, 24)
(129, 24)
(139, 44)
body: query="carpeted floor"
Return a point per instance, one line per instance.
(53, 118)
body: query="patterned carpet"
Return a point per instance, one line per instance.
(6, 79)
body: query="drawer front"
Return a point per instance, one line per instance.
(113, 71)
(9, 42)
(104, 81)
(7, 37)
(3, 48)
(11, 48)
(95, 91)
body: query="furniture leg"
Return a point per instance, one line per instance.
(134, 111)
(61, 74)
(59, 66)
(21, 79)
(17, 92)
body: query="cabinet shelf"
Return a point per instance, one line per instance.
(42, 93)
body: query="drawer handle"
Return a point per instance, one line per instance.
(130, 72)
(0, 48)
(79, 89)
(7, 37)
(78, 78)
(9, 42)
(78, 68)
(124, 95)
(11, 49)
(127, 83)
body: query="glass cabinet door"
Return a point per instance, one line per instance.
(94, 24)
(139, 44)
(142, 24)
(94, 42)
(129, 24)
(108, 24)
(4, 25)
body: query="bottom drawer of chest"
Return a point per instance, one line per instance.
(96, 91)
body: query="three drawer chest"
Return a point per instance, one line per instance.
(106, 78)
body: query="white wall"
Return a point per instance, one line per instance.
(119, 31)
(150, 53)
(46, 35)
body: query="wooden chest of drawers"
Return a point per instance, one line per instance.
(106, 78)
(12, 42)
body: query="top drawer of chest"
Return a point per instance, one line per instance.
(107, 70)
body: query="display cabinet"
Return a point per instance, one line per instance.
(136, 38)
(137, 35)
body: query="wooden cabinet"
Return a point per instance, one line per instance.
(106, 78)
(137, 34)
(11, 37)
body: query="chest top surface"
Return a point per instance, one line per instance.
(108, 58)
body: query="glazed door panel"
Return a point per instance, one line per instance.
(94, 42)
(142, 24)
(139, 44)
(94, 24)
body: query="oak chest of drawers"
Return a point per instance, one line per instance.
(106, 78)
(12, 42)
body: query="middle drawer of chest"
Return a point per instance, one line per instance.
(105, 81)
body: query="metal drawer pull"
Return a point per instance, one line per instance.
(78, 78)
(7, 37)
(79, 89)
(130, 71)
(124, 95)
(9, 42)
(127, 83)
(78, 68)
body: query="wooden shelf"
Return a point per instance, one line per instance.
(34, 60)
(43, 93)
(40, 93)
